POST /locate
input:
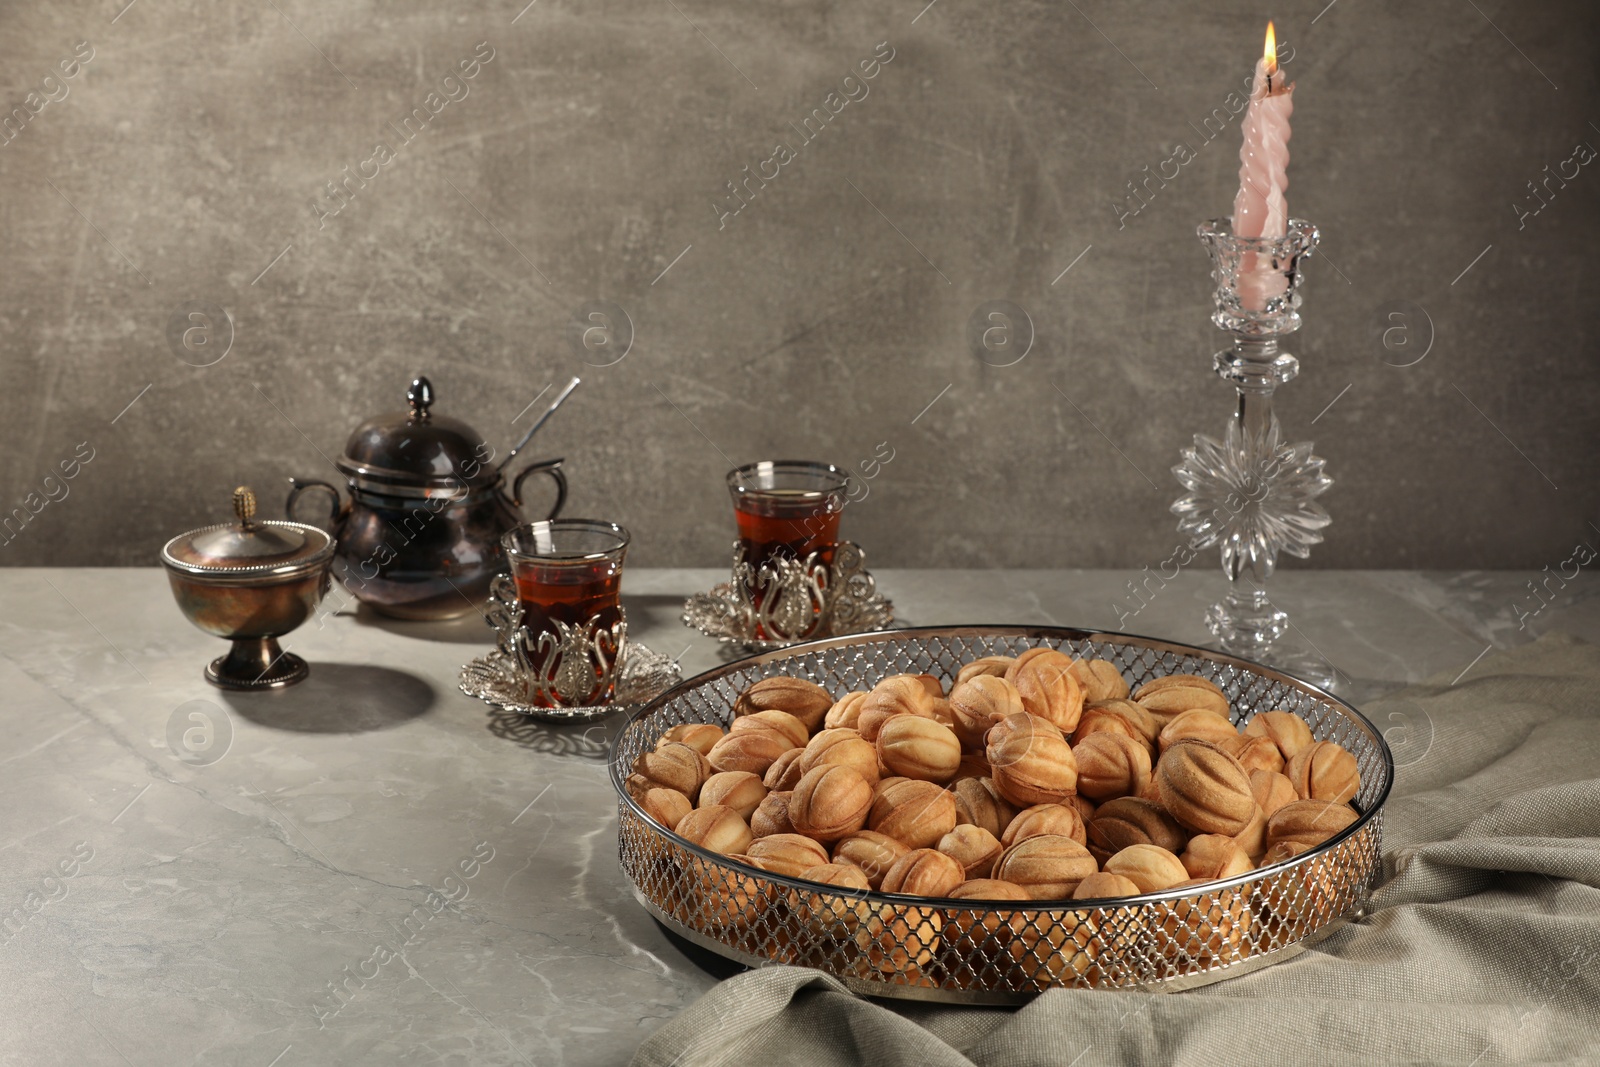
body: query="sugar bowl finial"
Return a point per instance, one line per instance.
(244, 506)
(420, 397)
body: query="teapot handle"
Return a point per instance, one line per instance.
(337, 509)
(552, 467)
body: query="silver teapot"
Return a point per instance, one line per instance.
(419, 537)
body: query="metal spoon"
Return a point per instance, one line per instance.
(551, 410)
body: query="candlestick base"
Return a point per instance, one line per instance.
(1247, 624)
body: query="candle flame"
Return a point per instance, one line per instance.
(1270, 51)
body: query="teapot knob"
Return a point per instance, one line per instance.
(244, 506)
(420, 397)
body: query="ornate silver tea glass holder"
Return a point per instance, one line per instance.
(1252, 493)
(558, 677)
(801, 600)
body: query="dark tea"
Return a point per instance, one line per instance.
(769, 527)
(572, 594)
(569, 571)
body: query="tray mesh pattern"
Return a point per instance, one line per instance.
(1004, 952)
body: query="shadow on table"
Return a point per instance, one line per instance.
(719, 967)
(469, 629)
(338, 698)
(649, 611)
(584, 740)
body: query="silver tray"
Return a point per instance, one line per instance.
(890, 945)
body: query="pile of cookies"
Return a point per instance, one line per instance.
(1035, 778)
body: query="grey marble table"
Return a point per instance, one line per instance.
(374, 868)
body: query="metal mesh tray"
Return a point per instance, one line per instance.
(885, 944)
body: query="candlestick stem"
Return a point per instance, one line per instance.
(1256, 368)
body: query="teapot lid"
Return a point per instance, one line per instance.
(248, 548)
(417, 449)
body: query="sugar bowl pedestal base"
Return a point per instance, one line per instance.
(256, 663)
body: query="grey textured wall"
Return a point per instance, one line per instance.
(188, 162)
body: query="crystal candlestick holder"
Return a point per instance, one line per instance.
(1251, 493)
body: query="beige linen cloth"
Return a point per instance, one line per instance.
(1482, 949)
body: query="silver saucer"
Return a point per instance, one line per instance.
(832, 601)
(642, 675)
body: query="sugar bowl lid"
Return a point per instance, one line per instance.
(417, 449)
(249, 549)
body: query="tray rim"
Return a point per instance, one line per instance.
(619, 774)
(998, 998)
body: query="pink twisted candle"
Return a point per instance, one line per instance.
(1259, 208)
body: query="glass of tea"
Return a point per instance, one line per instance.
(569, 571)
(787, 509)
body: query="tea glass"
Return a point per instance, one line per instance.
(568, 574)
(787, 513)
